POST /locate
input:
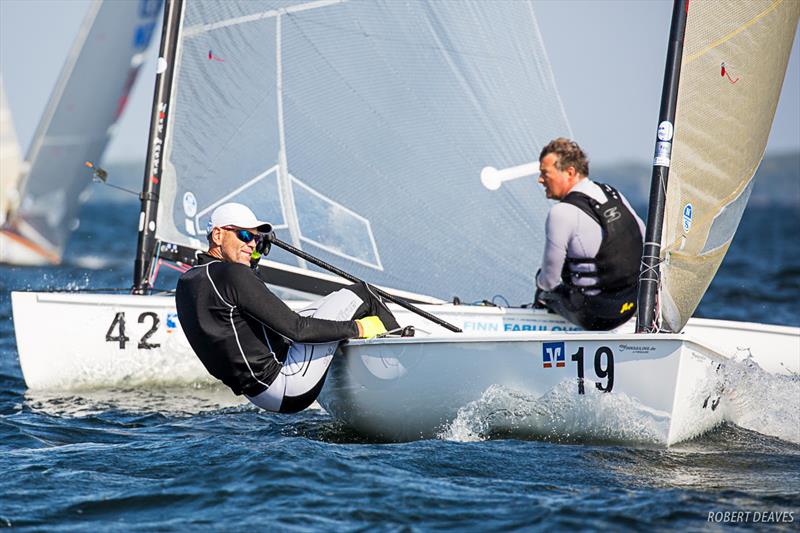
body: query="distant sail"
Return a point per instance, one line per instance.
(360, 129)
(87, 100)
(10, 158)
(734, 60)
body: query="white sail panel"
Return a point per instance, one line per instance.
(379, 116)
(88, 98)
(10, 159)
(734, 60)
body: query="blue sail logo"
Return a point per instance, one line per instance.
(687, 217)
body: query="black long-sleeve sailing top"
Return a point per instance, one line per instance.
(239, 329)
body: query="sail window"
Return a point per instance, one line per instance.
(260, 193)
(726, 221)
(333, 227)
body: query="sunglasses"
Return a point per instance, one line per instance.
(244, 235)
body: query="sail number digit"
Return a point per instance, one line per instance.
(578, 358)
(601, 369)
(608, 371)
(119, 320)
(118, 324)
(143, 344)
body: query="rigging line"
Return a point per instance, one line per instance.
(176, 268)
(156, 263)
(735, 32)
(653, 269)
(129, 191)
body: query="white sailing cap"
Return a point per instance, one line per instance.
(238, 215)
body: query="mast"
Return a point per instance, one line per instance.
(649, 276)
(151, 185)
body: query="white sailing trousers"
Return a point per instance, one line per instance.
(306, 365)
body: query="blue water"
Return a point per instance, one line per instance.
(176, 459)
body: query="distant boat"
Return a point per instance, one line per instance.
(10, 159)
(41, 195)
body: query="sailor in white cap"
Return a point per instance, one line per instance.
(251, 340)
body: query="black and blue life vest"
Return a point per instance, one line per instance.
(620, 253)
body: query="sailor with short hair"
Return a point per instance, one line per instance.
(590, 268)
(252, 341)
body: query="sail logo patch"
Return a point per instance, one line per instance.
(687, 217)
(553, 352)
(172, 321)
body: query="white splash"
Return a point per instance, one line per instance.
(760, 401)
(96, 262)
(559, 415)
(747, 396)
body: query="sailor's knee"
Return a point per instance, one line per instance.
(360, 290)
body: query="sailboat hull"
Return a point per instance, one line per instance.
(74, 340)
(406, 389)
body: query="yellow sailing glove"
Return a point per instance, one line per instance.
(369, 327)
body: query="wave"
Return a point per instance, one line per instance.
(558, 415)
(761, 401)
(97, 262)
(164, 401)
(750, 398)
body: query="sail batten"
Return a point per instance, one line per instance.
(271, 13)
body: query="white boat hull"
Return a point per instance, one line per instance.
(69, 340)
(405, 389)
(74, 341)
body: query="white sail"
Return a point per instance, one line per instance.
(734, 60)
(10, 158)
(360, 128)
(88, 98)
